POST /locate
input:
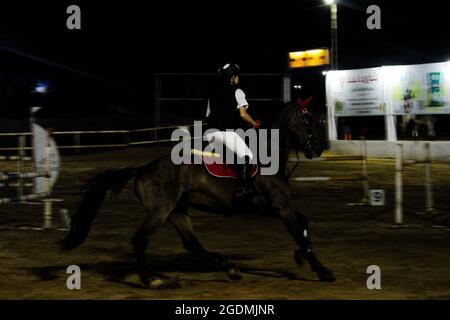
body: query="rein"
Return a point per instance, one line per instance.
(288, 175)
(298, 116)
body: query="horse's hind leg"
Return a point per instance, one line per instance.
(182, 223)
(297, 225)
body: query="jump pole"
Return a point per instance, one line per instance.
(5, 176)
(34, 196)
(328, 178)
(13, 184)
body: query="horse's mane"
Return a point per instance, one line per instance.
(279, 121)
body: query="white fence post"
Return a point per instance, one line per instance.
(399, 184)
(429, 203)
(21, 156)
(365, 174)
(287, 96)
(77, 142)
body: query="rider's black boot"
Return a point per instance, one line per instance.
(243, 184)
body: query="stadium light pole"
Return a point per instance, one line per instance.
(334, 38)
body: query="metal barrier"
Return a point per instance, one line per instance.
(77, 138)
(20, 159)
(20, 176)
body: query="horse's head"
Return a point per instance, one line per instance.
(306, 130)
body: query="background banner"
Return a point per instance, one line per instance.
(355, 92)
(393, 90)
(418, 89)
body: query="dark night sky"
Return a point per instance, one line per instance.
(125, 42)
(129, 37)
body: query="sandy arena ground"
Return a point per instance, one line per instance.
(414, 261)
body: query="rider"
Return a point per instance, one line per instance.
(227, 109)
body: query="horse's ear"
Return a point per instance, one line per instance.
(302, 104)
(307, 101)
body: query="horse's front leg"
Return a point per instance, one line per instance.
(297, 225)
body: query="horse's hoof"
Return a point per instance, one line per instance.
(157, 284)
(145, 281)
(326, 276)
(164, 284)
(234, 274)
(221, 262)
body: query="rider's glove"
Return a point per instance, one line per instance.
(257, 124)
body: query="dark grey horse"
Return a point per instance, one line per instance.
(167, 191)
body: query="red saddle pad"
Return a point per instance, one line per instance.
(226, 170)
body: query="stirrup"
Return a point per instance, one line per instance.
(243, 193)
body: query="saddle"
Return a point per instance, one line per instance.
(220, 170)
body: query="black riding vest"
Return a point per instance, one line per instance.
(223, 108)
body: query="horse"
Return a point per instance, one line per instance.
(167, 191)
(415, 124)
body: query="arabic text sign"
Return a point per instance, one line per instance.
(356, 92)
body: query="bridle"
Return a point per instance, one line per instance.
(300, 116)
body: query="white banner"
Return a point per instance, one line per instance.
(40, 155)
(418, 89)
(392, 90)
(355, 92)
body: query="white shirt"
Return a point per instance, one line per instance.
(240, 98)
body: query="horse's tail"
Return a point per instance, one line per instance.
(94, 192)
